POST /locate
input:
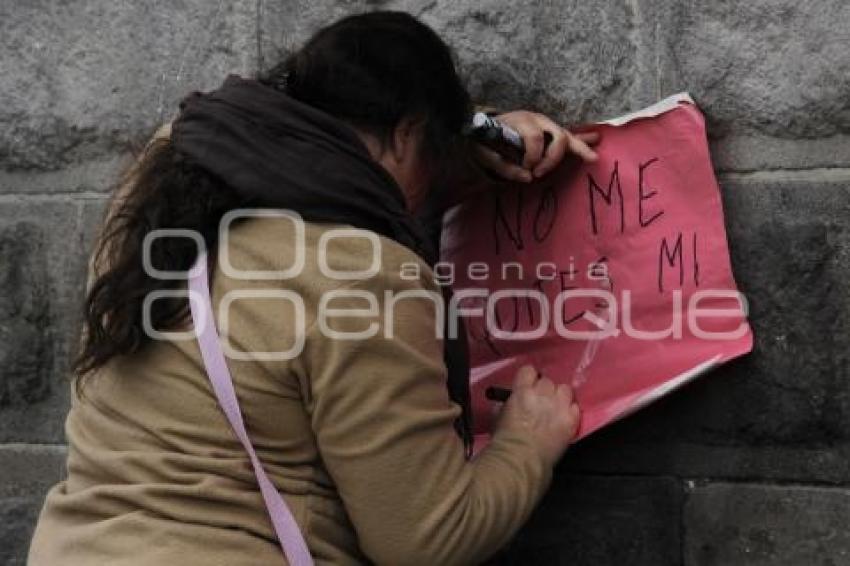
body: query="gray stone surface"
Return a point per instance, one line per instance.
(776, 67)
(574, 60)
(17, 520)
(27, 473)
(83, 79)
(29, 469)
(42, 250)
(783, 411)
(737, 524)
(753, 152)
(764, 72)
(593, 520)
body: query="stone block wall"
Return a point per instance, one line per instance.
(750, 465)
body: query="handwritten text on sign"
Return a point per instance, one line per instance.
(613, 277)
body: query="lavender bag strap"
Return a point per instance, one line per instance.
(288, 533)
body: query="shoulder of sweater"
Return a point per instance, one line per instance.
(324, 256)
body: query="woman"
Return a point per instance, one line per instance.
(367, 440)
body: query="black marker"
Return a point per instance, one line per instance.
(499, 394)
(497, 136)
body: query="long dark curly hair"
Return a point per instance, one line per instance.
(370, 70)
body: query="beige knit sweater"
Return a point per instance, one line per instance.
(356, 434)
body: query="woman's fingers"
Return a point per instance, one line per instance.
(590, 138)
(541, 158)
(525, 378)
(505, 169)
(581, 148)
(546, 143)
(562, 141)
(554, 152)
(565, 392)
(527, 125)
(534, 141)
(545, 387)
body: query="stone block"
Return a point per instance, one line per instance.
(28, 472)
(784, 411)
(772, 76)
(737, 524)
(42, 250)
(596, 520)
(17, 521)
(83, 80)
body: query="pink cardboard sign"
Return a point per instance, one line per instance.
(613, 276)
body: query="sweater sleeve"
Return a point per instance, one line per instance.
(383, 422)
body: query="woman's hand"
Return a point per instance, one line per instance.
(542, 410)
(540, 157)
